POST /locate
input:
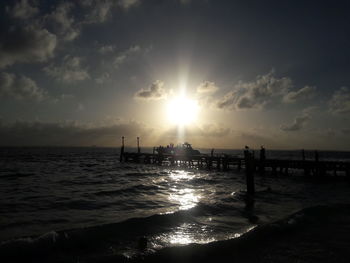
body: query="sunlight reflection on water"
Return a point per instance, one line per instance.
(186, 197)
(186, 234)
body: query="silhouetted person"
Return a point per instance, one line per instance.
(246, 152)
(303, 154)
(262, 154)
(316, 156)
(138, 145)
(262, 160)
(212, 152)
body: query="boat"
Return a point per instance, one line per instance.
(182, 149)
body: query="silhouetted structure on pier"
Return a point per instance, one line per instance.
(165, 156)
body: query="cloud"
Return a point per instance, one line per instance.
(63, 23)
(298, 124)
(340, 101)
(126, 4)
(304, 93)
(154, 92)
(69, 71)
(25, 133)
(204, 131)
(98, 11)
(106, 49)
(22, 10)
(346, 131)
(256, 94)
(125, 55)
(103, 78)
(207, 87)
(19, 87)
(26, 44)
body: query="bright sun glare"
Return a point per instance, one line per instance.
(182, 111)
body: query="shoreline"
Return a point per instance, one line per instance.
(315, 234)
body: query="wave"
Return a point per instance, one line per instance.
(314, 234)
(103, 241)
(94, 240)
(128, 190)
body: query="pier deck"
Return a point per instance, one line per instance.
(226, 162)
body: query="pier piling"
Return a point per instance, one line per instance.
(121, 150)
(249, 171)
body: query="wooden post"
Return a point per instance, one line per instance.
(317, 164)
(138, 145)
(249, 171)
(262, 161)
(121, 151)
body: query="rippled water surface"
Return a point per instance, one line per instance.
(86, 192)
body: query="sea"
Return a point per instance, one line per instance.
(72, 204)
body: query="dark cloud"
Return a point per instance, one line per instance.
(62, 22)
(346, 131)
(37, 133)
(103, 78)
(70, 70)
(19, 87)
(207, 87)
(26, 44)
(304, 93)
(256, 94)
(98, 11)
(154, 92)
(122, 57)
(297, 125)
(23, 9)
(340, 101)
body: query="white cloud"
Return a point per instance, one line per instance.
(207, 87)
(126, 4)
(106, 49)
(298, 124)
(256, 94)
(154, 92)
(23, 10)
(69, 71)
(19, 87)
(301, 94)
(26, 44)
(340, 101)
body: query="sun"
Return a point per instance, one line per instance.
(182, 111)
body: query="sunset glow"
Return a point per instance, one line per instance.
(182, 111)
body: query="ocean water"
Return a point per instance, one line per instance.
(81, 202)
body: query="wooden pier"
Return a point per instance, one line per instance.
(228, 162)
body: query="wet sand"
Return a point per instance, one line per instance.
(316, 234)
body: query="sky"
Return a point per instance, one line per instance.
(83, 73)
